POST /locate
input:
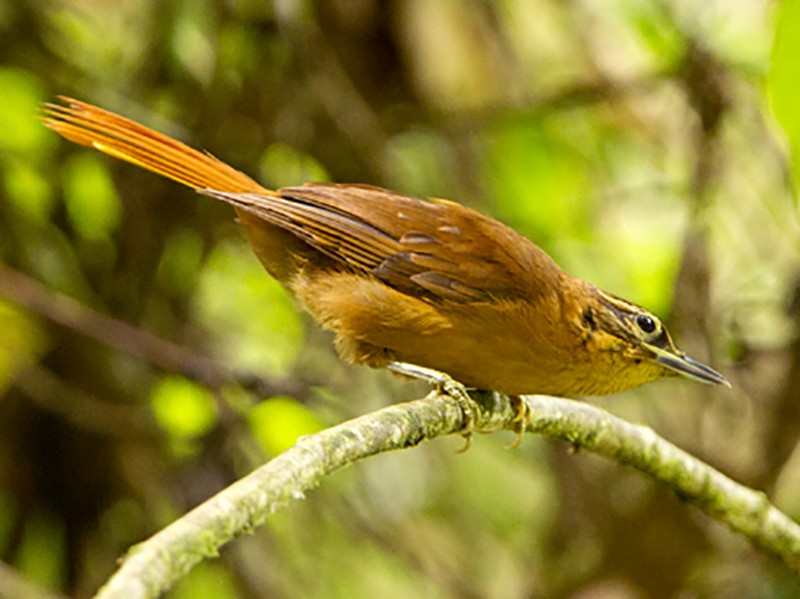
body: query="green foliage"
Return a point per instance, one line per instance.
(277, 423)
(22, 343)
(184, 409)
(652, 24)
(20, 131)
(577, 123)
(537, 178)
(40, 556)
(181, 261)
(783, 80)
(192, 39)
(282, 166)
(24, 143)
(92, 202)
(417, 161)
(88, 37)
(254, 321)
(29, 191)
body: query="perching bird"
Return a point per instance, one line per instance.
(424, 282)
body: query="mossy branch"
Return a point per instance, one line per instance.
(155, 565)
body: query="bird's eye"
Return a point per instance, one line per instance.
(646, 323)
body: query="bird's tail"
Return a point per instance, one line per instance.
(127, 140)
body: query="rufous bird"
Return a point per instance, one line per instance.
(402, 280)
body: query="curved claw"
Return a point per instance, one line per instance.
(522, 419)
(446, 385)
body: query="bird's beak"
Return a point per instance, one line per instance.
(684, 365)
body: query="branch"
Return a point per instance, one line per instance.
(742, 509)
(156, 564)
(73, 315)
(70, 313)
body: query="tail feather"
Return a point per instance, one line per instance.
(127, 140)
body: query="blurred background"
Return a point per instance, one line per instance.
(147, 361)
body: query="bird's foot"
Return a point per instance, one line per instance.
(521, 420)
(445, 385)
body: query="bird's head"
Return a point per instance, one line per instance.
(634, 346)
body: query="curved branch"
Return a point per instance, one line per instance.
(156, 564)
(742, 509)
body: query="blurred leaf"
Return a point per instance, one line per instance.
(21, 342)
(653, 22)
(282, 165)
(180, 261)
(511, 496)
(453, 61)
(193, 43)
(124, 520)
(644, 253)
(183, 408)
(278, 422)
(27, 190)
(537, 180)
(40, 555)
(101, 41)
(252, 317)
(20, 130)
(207, 580)
(91, 199)
(637, 228)
(237, 55)
(417, 161)
(783, 79)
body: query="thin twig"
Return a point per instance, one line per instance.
(81, 409)
(155, 565)
(76, 316)
(72, 314)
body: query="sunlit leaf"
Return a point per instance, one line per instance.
(29, 191)
(183, 408)
(251, 316)
(91, 199)
(537, 181)
(783, 80)
(657, 29)
(278, 422)
(20, 130)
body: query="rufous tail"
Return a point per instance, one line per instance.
(127, 140)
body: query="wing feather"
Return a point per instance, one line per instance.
(436, 249)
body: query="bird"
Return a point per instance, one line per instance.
(427, 283)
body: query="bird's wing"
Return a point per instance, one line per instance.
(434, 249)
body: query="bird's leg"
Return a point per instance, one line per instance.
(447, 385)
(521, 420)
